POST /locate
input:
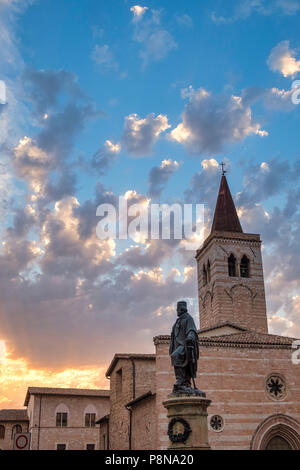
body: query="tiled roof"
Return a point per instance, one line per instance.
(127, 356)
(221, 325)
(225, 217)
(247, 339)
(140, 398)
(104, 419)
(13, 415)
(65, 391)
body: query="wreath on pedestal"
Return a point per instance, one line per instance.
(181, 437)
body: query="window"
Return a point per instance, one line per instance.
(90, 447)
(90, 419)
(208, 271)
(2, 432)
(17, 429)
(61, 446)
(217, 423)
(276, 386)
(204, 276)
(244, 266)
(231, 266)
(61, 420)
(119, 381)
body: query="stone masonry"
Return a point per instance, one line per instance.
(236, 299)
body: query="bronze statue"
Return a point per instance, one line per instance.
(184, 352)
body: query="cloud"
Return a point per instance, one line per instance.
(13, 113)
(65, 252)
(76, 286)
(185, 20)
(97, 31)
(46, 86)
(35, 160)
(104, 156)
(279, 99)
(140, 134)
(210, 122)
(65, 185)
(282, 59)
(103, 56)
(272, 98)
(160, 175)
(59, 112)
(14, 372)
(61, 128)
(203, 188)
(243, 9)
(64, 288)
(288, 7)
(150, 256)
(138, 12)
(86, 212)
(9, 12)
(156, 42)
(264, 180)
(31, 161)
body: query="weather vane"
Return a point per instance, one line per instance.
(223, 170)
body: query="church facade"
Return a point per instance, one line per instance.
(247, 373)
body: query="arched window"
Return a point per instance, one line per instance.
(204, 275)
(208, 271)
(17, 429)
(2, 432)
(231, 266)
(244, 266)
(90, 415)
(61, 413)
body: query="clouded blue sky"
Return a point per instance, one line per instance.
(107, 98)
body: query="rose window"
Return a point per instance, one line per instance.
(217, 423)
(276, 387)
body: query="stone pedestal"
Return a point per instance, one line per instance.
(188, 429)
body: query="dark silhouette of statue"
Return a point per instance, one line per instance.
(184, 352)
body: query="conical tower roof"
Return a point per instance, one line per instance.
(225, 218)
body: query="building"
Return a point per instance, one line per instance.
(132, 377)
(57, 418)
(12, 422)
(247, 373)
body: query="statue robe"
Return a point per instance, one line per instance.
(183, 331)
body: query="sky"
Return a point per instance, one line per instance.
(109, 98)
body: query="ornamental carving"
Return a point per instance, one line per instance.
(276, 386)
(176, 436)
(217, 423)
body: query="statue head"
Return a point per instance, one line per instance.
(181, 307)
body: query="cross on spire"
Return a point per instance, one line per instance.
(223, 170)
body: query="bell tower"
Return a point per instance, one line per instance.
(230, 272)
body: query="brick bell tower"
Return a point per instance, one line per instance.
(230, 272)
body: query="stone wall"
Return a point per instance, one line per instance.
(136, 380)
(8, 443)
(45, 435)
(144, 424)
(104, 435)
(235, 299)
(235, 380)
